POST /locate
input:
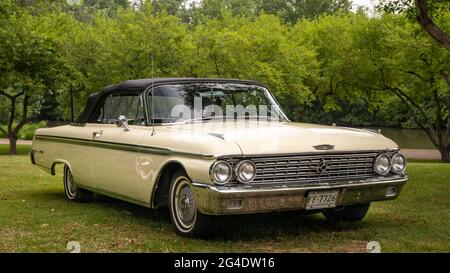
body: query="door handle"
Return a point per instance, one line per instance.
(97, 134)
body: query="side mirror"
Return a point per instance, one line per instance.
(122, 122)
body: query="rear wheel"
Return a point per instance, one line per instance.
(73, 192)
(350, 213)
(186, 218)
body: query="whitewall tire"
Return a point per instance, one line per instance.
(184, 214)
(72, 191)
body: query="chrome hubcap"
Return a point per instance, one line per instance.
(185, 207)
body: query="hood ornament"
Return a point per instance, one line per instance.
(221, 136)
(324, 147)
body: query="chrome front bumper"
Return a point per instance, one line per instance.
(243, 199)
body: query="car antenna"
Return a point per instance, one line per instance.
(71, 105)
(153, 101)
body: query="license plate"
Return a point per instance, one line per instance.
(321, 199)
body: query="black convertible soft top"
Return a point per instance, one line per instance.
(141, 85)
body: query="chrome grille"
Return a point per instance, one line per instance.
(305, 168)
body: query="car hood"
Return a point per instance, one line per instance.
(256, 137)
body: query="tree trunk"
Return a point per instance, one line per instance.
(12, 144)
(445, 155)
(427, 23)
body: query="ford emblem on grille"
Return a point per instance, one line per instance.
(324, 147)
(320, 167)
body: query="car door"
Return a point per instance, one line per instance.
(114, 149)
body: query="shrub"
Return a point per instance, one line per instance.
(27, 131)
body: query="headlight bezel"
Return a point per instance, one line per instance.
(237, 171)
(375, 169)
(393, 170)
(212, 176)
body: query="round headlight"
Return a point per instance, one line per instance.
(382, 164)
(398, 162)
(220, 172)
(245, 171)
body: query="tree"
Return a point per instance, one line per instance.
(380, 61)
(323, 61)
(427, 13)
(199, 13)
(260, 49)
(424, 19)
(83, 10)
(119, 48)
(26, 60)
(331, 38)
(391, 55)
(294, 10)
(424, 11)
(171, 7)
(87, 10)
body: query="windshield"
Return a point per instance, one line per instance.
(208, 101)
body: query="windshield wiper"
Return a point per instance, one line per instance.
(232, 118)
(202, 119)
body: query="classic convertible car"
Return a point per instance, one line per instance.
(209, 147)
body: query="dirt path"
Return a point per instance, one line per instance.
(421, 154)
(20, 141)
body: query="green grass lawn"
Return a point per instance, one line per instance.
(36, 217)
(21, 149)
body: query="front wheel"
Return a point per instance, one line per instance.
(349, 213)
(186, 218)
(73, 192)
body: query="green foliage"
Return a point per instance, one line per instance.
(435, 7)
(171, 7)
(28, 65)
(215, 8)
(259, 50)
(323, 63)
(376, 62)
(289, 11)
(111, 50)
(330, 64)
(293, 10)
(25, 53)
(27, 131)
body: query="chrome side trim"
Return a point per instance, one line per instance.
(257, 156)
(121, 146)
(240, 156)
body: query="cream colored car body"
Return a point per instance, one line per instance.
(295, 166)
(127, 164)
